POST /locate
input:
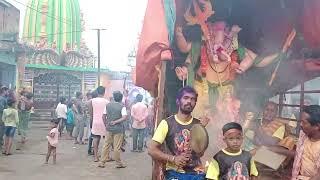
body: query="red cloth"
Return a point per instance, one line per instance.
(153, 46)
(311, 22)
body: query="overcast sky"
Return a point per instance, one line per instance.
(122, 19)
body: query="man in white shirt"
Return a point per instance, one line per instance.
(61, 112)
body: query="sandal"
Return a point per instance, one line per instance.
(109, 160)
(101, 166)
(119, 166)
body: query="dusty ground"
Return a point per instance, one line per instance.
(73, 163)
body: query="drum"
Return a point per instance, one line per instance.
(199, 139)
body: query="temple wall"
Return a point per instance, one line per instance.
(88, 82)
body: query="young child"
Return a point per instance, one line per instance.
(232, 163)
(53, 137)
(70, 120)
(10, 119)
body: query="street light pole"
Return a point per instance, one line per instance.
(98, 35)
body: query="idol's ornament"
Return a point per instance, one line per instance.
(215, 56)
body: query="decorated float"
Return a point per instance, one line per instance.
(236, 54)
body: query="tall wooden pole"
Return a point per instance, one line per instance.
(161, 85)
(157, 165)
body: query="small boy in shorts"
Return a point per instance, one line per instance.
(53, 138)
(232, 163)
(10, 119)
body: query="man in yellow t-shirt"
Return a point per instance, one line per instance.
(181, 161)
(273, 132)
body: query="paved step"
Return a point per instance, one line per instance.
(42, 110)
(40, 119)
(40, 124)
(43, 118)
(41, 115)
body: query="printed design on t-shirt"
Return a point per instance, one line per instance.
(238, 171)
(182, 141)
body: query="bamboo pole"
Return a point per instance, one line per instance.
(281, 94)
(301, 100)
(160, 97)
(156, 166)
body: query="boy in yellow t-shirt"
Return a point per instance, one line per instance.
(232, 163)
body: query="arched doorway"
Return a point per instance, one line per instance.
(49, 87)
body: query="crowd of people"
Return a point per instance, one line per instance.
(15, 113)
(236, 160)
(90, 119)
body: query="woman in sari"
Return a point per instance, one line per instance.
(24, 106)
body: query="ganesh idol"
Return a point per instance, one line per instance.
(216, 57)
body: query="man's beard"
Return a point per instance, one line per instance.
(186, 109)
